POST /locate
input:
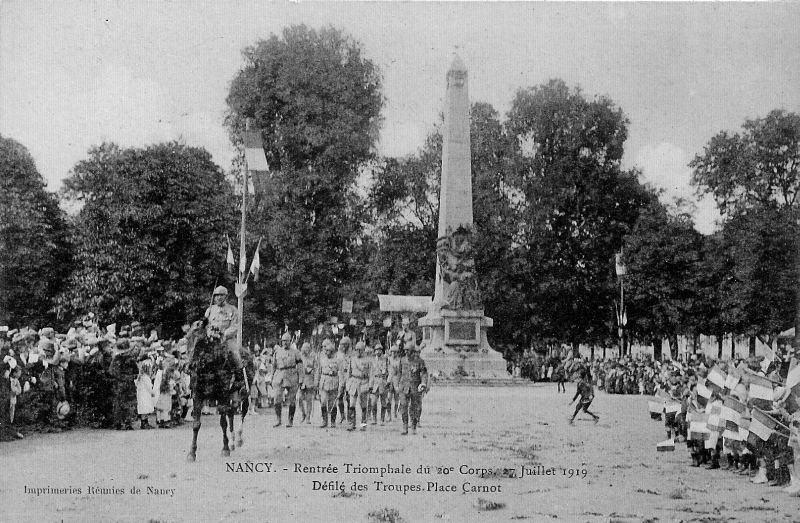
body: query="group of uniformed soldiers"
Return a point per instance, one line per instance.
(353, 378)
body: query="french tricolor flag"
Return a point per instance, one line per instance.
(254, 151)
(703, 394)
(716, 379)
(732, 410)
(760, 392)
(762, 426)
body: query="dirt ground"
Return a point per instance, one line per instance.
(616, 473)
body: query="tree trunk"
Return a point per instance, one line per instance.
(592, 354)
(657, 349)
(733, 346)
(576, 350)
(752, 351)
(720, 339)
(604, 351)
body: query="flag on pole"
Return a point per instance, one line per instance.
(698, 430)
(760, 391)
(744, 427)
(255, 265)
(667, 445)
(790, 402)
(229, 258)
(761, 427)
(767, 361)
(254, 151)
(732, 411)
(731, 435)
(715, 421)
(703, 394)
(716, 379)
(620, 267)
(731, 380)
(655, 408)
(793, 378)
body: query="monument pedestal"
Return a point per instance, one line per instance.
(457, 346)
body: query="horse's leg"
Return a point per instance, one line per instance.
(245, 409)
(223, 422)
(232, 437)
(197, 415)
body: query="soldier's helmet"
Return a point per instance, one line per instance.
(306, 347)
(360, 346)
(327, 345)
(221, 291)
(345, 343)
(286, 337)
(378, 348)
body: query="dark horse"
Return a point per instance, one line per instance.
(214, 377)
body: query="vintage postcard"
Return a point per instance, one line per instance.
(399, 261)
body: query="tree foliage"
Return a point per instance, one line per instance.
(759, 167)
(317, 101)
(663, 254)
(150, 235)
(577, 206)
(754, 177)
(35, 254)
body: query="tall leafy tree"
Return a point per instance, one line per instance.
(577, 204)
(754, 176)
(317, 101)
(150, 235)
(35, 253)
(761, 288)
(663, 253)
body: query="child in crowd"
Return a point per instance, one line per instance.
(144, 394)
(166, 388)
(176, 396)
(16, 390)
(586, 393)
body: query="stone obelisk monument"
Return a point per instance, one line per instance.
(454, 330)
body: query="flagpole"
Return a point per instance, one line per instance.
(242, 264)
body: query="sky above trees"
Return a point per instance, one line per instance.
(75, 74)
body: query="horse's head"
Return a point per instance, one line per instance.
(196, 332)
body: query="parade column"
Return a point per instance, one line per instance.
(455, 327)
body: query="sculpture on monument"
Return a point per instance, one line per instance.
(457, 265)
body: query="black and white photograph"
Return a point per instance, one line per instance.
(392, 262)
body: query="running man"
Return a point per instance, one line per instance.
(586, 393)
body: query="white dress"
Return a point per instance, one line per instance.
(144, 394)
